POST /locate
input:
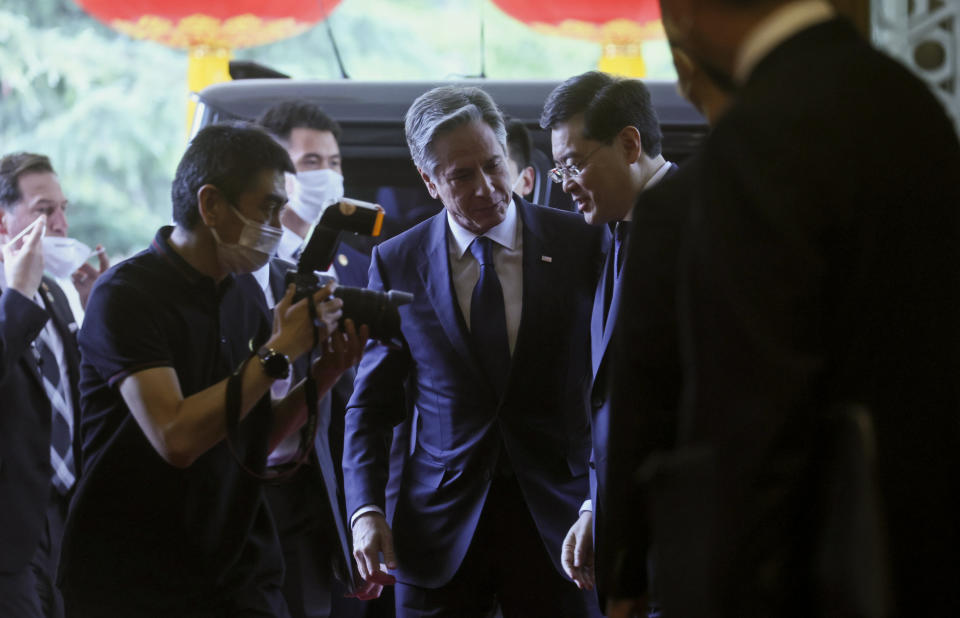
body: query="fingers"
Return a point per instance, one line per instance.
(371, 537)
(566, 553)
(84, 273)
(102, 259)
(387, 547)
(34, 238)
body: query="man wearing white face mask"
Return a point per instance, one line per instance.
(169, 518)
(39, 372)
(307, 508)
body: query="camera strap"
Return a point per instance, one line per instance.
(307, 434)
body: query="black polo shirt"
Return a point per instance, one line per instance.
(143, 536)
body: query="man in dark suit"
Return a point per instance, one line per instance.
(494, 354)
(817, 268)
(308, 508)
(38, 388)
(606, 145)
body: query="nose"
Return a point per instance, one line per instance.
(57, 223)
(568, 183)
(486, 187)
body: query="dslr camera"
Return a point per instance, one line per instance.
(378, 310)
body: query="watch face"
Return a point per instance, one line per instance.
(275, 364)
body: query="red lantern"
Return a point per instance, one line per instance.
(209, 29)
(621, 26)
(218, 24)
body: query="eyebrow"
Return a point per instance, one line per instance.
(44, 201)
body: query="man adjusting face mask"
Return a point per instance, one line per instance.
(257, 242)
(63, 256)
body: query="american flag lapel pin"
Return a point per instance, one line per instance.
(546, 258)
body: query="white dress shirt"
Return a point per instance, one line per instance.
(507, 240)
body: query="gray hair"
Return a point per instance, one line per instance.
(443, 109)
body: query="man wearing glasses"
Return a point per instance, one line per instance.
(606, 145)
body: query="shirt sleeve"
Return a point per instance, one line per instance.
(121, 333)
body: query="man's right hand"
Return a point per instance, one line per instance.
(576, 555)
(371, 537)
(292, 326)
(23, 260)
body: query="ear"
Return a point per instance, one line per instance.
(210, 204)
(527, 178)
(431, 187)
(630, 144)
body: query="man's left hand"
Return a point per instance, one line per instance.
(86, 275)
(341, 351)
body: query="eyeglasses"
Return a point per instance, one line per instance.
(562, 172)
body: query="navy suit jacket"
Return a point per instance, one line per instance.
(462, 422)
(25, 419)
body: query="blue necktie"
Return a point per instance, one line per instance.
(488, 320)
(61, 441)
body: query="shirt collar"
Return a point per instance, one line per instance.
(161, 246)
(658, 175)
(504, 233)
(776, 28)
(262, 275)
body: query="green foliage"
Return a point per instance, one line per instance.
(107, 110)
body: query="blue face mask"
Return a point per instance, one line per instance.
(257, 243)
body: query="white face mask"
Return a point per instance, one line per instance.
(63, 256)
(313, 191)
(253, 249)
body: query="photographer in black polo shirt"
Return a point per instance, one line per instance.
(166, 522)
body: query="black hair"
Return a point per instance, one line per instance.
(608, 104)
(281, 119)
(519, 144)
(228, 156)
(12, 167)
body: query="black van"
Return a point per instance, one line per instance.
(376, 162)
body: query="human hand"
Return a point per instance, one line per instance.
(86, 275)
(369, 590)
(372, 537)
(341, 351)
(293, 327)
(576, 555)
(23, 258)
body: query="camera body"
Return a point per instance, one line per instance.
(378, 310)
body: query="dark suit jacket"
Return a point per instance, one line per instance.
(540, 419)
(25, 419)
(821, 265)
(636, 383)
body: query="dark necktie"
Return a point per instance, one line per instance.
(488, 320)
(61, 441)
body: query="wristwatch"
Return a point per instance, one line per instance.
(275, 364)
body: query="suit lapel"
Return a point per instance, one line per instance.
(538, 282)
(599, 326)
(434, 269)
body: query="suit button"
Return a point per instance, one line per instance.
(598, 402)
(487, 475)
(592, 465)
